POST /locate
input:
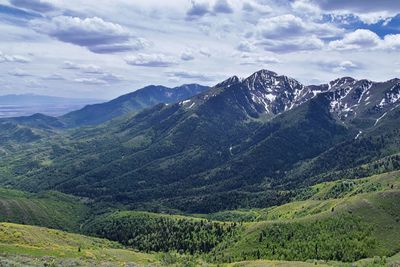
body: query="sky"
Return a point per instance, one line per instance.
(102, 49)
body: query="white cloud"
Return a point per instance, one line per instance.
(150, 60)
(13, 58)
(356, 40)
(338, 65)
(205, 52)
(87, 68)
(375, 17)
(293, 45)
(366, 39)
(19, 73)
(391, 42)
(91, 81)
(287, 26)
(54, 77)
(305, 8)
(189, 75)
(245, 46)
(368, 11)
(187, 55)
(94, 33)
(259, 60)
(98, 74)
(198, 9)
(35, 5)
(222, 6)
(256, 6)
(290, 33)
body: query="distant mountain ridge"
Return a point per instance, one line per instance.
(242, 143)
(132, 102)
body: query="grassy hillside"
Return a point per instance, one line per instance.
(46, 246)
(370, 262)
(160, 232)
(22, 245)
(329, 224)
(313, 200)
(50, 209)
(343, 229)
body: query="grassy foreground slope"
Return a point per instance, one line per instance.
(340, 221)
(360, 227)
(393, 261)
(49, 209)
(313, 200)
(63, 248)
(160, 232)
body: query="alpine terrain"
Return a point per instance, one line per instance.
(252, 171)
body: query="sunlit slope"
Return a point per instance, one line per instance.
(50, 209)
(38, 242)
(339, 222)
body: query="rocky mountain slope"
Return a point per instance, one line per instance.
(242, 143)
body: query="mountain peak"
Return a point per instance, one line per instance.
(261, 75)
(230, 81)
(342, 81)
(265, 72)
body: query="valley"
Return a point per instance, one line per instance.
(360, 213)
(251, 172)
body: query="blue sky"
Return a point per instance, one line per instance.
(102, 49)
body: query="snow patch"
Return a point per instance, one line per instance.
(377, 120)
(358, 135)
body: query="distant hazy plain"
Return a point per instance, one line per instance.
(51, 110)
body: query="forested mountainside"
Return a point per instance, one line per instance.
(261, 170)
(249, 142)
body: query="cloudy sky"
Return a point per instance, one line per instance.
(102, 48)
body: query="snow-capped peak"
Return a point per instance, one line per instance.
(229, 82)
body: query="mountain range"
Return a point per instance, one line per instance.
(256, 171)
(250, 142)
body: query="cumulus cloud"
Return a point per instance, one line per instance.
(150, 60)
(245, 46)
(97, 35)
(54, 77)
(13, 58)
(356, 40)
(197, 9)
(189, 75)
(366, 39)
(205, 52)
(19, 73)
(222, 6)
(289, 33)
(259, 60)
(337, 65)
(391, 42)
(288, 25)
(90, 81)
(35, 5)
(252, 11)
(292, 45)
(359, 5)
(187, 55)
(110, 77)
(98, 73)
(254, 6)
(305, 8)
(86, 68)
(368, 11)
